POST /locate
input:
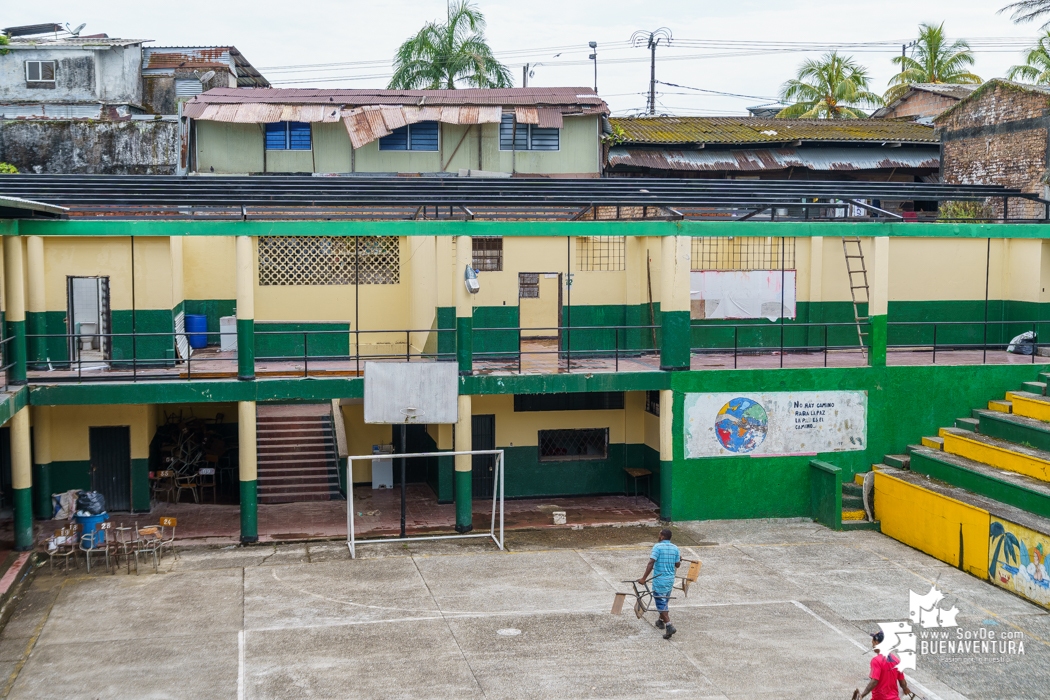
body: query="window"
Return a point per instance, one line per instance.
(742, 253)
(526, 137)
(40, 72)
(288, 136)
(488, 254)
(422, 136)
(600, 253)
(583, 401)
(528, 285)
(574, 445)
(328, 260)
(188, 87)
(652, 402)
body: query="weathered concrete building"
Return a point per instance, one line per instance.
(999, 135)
(171, 74)
(923, 102)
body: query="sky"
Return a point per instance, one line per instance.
(747, 48)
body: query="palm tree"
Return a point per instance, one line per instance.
(441, 54)
(935, 61)
(1027, 10)
(829, 88)
(1036, 68)
(1005, 542)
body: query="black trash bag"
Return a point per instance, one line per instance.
(92, 502)
(1023, 344)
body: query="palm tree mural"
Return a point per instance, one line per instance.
(832, 87)
(1005, 543)
(1036, 67)
(1028, 10)
(935, 61)
(439, 55)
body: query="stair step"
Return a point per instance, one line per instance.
(853, 515)
(852, 488)
(1029, 405)
(1034, 387)
(934, 443)
(897, 461)
(970, 424)
(1014, 427)
(861, 525)
(997, 453)
(852, 502)
(1000, 406)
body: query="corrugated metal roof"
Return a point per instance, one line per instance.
(70, 42)
(759, 159)
(947, 89)
(165, 60)
(732, 130)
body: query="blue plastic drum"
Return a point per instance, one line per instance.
(87, 527)
(197, 330)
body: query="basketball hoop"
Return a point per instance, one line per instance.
(411, 412)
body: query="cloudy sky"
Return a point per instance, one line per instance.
(743, 47)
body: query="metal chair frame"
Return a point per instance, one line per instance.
(163, 482)
(147, 544)
(68, 548)
(167, 536)
(101, 530)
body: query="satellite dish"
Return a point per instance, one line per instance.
(76, 32)
(205, 77)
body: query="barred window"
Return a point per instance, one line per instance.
(652, 402)
(742, 253)
(528, 285)
(488, 253)
(600, 253)
(574, 445)
(581, 401)
(328, 260)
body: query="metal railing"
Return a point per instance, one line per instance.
(572, 344)
(320, 352)
(740, 340)
(967, 342)
(6, 362)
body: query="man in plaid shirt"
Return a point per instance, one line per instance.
(663, 563)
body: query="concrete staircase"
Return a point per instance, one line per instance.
(298, 460)
(854, 517)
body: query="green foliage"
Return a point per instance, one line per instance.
(935, 61)
(1026, 10)
(7, 169)
(1036, 68)
(442, 54)
(829, 88)
(4, 42)
(977, 212)
(617, 136)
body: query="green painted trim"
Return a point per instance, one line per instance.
(440, 478)
(23, 525)
(674, 341)
(293, 339)
(42, 491)
(465, 344)
(140, 500)
(825, 494)
(36, 342)
(16, 331)
(245, 348)
(1003, 491)
(147, 349)
(464, 501)
(495, 344)
(445, 320)
(877, 354)
(249, 512)
(12, 403)
(563, 383)
(992, 425)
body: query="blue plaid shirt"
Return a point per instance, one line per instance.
(665, 555)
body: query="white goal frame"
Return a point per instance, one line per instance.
(497, 495)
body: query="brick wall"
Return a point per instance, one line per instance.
(984, 144)
(921, 104)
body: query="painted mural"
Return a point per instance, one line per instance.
(775, 424)
(1017, 560)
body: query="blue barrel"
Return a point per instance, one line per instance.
(87, 527)
(197, 330)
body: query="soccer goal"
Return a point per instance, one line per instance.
(495, 524)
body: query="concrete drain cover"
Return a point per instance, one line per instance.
(509, 632)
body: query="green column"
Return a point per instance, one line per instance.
(22, 480)
(15, 315)
(878, 300)
(674, 303)
(465, 344)
(464, 500)
(248, 471)
(674, 340)
(36, 346)
(245, 348)
(463, 476)
(249, 512)
(36, 303)
(666, 452)
(246, 310)
(878, 341)
(16, 351)
(464, 305)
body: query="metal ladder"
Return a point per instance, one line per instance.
(858, 284)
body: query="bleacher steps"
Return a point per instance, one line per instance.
(1015, 428)
(968, 423)
(1029, 405)
(997, 453)
(1001, 406)
(934, 443)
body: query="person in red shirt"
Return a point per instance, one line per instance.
(884, 675)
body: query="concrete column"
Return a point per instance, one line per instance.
(464, 306)
(36, 324)
(878, 300)
(674, 303)
(15, 318)
(245, 310)
(666, 451)
(248, 472)
(22, 480)
(463, 475)
(42, 456)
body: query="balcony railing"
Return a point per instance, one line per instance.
(967, 342)
(771, 344)
(566, 348)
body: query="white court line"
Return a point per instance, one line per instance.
(240, 665)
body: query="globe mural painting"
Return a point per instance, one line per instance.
(741, 425)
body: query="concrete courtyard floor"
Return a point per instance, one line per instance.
(781, 610)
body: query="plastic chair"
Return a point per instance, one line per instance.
(206, 479)
(97, 542)
(186, 483)
(167, 536)
(62, 545)
(163, 482)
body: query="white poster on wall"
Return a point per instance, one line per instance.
(772, 424)
(724, 294)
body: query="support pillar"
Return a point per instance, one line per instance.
(15, 318)
(464, 475)
(666, 451)
(248, 472)
(42, 455)
(878, 301)
(36, 323)
(246, 311)
(675, 338)
(22, 480)
(464, 306)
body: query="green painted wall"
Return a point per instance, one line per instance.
(999, 489)
(58, 477)
(213, 309)
(825, 494)
(287, 339)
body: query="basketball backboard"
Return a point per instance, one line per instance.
(411, 392)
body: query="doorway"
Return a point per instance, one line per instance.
(111, 465)
(88, 314)
(539, 304)
(482, 467)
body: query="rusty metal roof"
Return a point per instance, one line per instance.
(164, 59)
(748, 130)
(765, 159)
(70, 42)
(583, 100)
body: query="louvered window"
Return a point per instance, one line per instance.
(288, 136)
(526, 137)
(422, 136)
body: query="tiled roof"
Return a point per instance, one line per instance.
(741, 130)
(947, 89)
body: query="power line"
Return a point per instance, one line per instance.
(713, 92)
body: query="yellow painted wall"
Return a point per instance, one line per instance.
(111, 257)
(520, 429)
(204, 411)
(70, 435)
(208, 267)
(931, 523)
(420, 270)
(360, 437)
(229, 148)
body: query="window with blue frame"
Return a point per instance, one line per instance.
(526, 137)
(288, 136)
(422, 136)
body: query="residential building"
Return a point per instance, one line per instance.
(923, 102)
(171, 74)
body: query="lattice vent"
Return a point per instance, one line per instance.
(742, 253)
(328, 260)
(600, 253)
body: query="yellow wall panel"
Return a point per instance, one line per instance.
(208, 267)
(70, 424)
(360, 437)
(111, 257)
(520, 429)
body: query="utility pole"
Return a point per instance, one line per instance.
(652, 40)
(594, 57)
(525, 75)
